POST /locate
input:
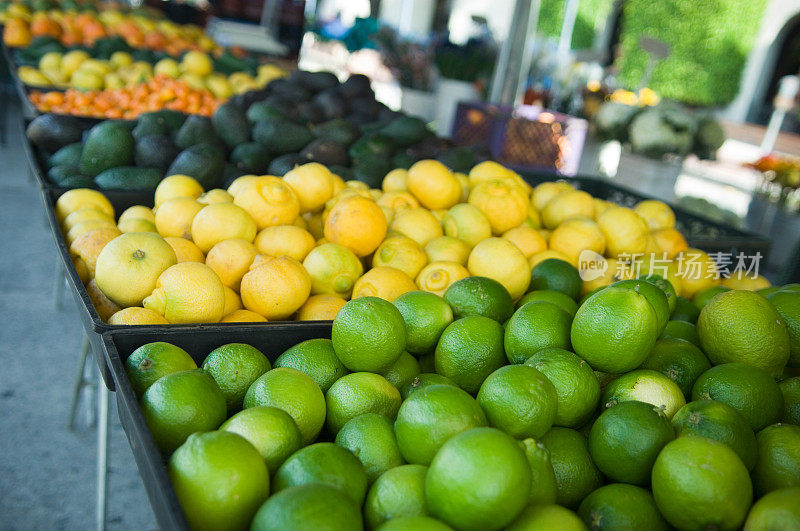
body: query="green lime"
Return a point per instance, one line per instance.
(776, 510)
(426, 316)
(621, 506)
(546, 517)
(368, 334)
(665, 286)
(316, 358)
(430, 417)
(235, 367)
(682, 330)
(787, 304)
(519, 400)
(778, 464)
(482, 296)
(625, 440)
(585, 297)
(547, 295)
(556, 275)
(700, 483)
(469, 350)
(685, 310)
(543, 479)
(396, 493)
(403, 371)
(678, 360)
(479, 480)
(764, 292)
(535, 326)
(576, 385)
(743, 326)
(150, 362)
(790, 388)
(645, 386)
(417, 523)
(358, 393)
(181, 403)
(718, 421)
(576, 474)
(703, 297)
(371, 439)
(790, 287)
(654, 295)
(295, 393)
(423, 380)
(220, 480)
(270, 430)
(323, 463)
(313, 506)
(750, 391)
(615, 330)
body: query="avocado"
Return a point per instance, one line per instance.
(196, 130)
(406, 130)
(403, 160)
(342, 171)
(284, 164)
(282, 136)
(309, 112)
(173, 120)
(51, 132)
(252, 158)
(459, 159)
(314, 81)
(149, 125)
(265, 110)
(231, 125)
(109, 144)
(356, 85)
(128, 178)
(204, 162)
(326, 152)
(229, 174)
(289, 90)
(332, 103)
(68, 177)
(155, 151)
(372, 145)
(372, 170)
(338, 130)
(366, 106)
(69, 155)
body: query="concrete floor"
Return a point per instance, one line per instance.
(47, 473)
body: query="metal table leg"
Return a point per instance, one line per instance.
(80, 382)
(102, 453)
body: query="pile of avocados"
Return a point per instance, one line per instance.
(307, 117)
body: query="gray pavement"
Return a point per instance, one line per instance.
(47, 473)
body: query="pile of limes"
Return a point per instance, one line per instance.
(629, 408)
(300, 246)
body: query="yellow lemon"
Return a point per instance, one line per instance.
(301, 223)
(436, 277)
(174, 216)
(185, 250)
(504, 205)
(320, 308)
(534, 219)
(137, 225)
(177, 186)
(601, 272)
(50, 61)
(527, 240)
(84, 214)
(388, 213)
(500, 260)
(167, 67)
(576, 235)
(463, 180)
(313, 185)
(356, 223)
(544, 192)
(86, 247)
(396, 181)
(433, 184)
(129, 265)
(197, 63)
(545, 233)
(72, 60)
(268, 200)
(136, 316)
(742, 280)
(418, 224)
(217, 195)
(656, 214)
(232, 301)
(188, 293)
(625, 232)
(385, 282)
(357, 185)
(697, 272)
(230, 260)
(398, 200)
(243, 316)
(238, 184)
(333, 269)
(489, 171)
(670, 241)
(447, 249)
(338, 183)
(276, 288)
(400, 252)
(104, 306)
(286, 240)
(221, 221)
(120, 59)
(600, 206)
(86, 80)
(85, 226)
(544, 255)
(467, 223)
(80, 198)
(80, 269)
(375, 194)
(566, 205)
(137, 211)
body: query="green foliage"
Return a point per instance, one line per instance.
(709, 39)
(592, 16)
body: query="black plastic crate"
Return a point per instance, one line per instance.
(198, 341)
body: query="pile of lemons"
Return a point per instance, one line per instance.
(271, 248)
